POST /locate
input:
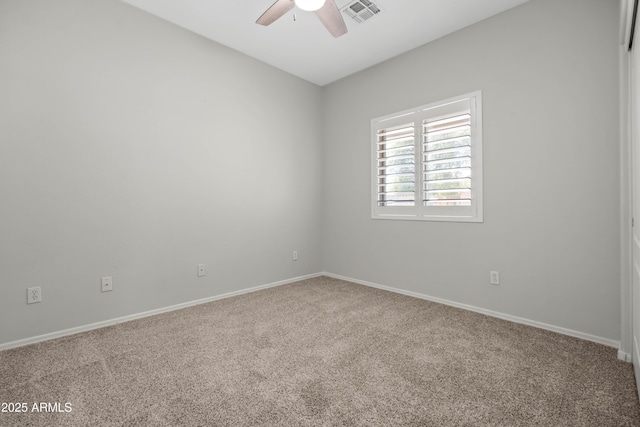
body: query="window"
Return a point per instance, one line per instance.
(427, 162)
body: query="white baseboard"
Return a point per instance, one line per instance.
(611, 343)
(515, 319)
(97, 325)
(625, 357)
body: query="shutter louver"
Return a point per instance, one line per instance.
(396, 166)
(446, 162)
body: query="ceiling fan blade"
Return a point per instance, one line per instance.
(279, 8)
(331, 18)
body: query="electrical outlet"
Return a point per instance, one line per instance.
(200, 270)
(294, 256)
(494, 277)
(34, 295)
(107, 284)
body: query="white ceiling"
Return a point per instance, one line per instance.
(304, 47)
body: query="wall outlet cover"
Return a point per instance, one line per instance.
(107, 284)
(34, 295)
(494, 277)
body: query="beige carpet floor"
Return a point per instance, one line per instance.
(321, 352)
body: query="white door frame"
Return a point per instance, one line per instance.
(629, 187)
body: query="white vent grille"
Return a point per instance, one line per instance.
(362, 10)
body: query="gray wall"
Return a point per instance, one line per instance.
(549, 75)
(132, 148)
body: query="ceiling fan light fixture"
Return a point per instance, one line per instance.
(309, 5)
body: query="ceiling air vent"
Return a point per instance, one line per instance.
(362, 10)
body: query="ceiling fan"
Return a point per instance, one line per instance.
(326, 10)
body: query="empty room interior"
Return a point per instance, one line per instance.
(207, 218)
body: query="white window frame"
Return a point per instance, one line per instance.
(416, 116)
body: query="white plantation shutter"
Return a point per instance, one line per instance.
(428, 162)
(447, 161)
(396, 166)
